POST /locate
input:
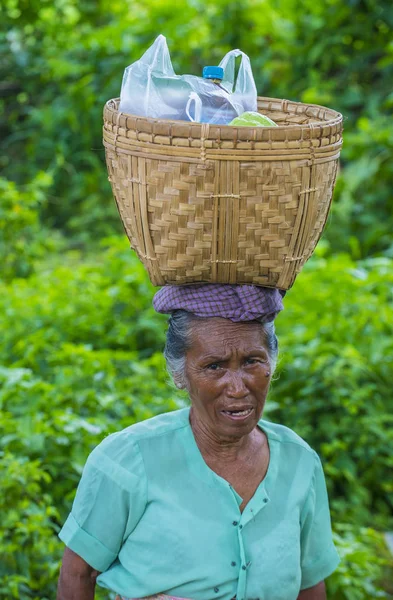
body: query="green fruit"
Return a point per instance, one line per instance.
(253, 119)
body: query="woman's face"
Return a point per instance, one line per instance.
(228, 375)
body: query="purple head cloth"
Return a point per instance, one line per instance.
(235, 302)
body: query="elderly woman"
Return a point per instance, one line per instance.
(208, 502)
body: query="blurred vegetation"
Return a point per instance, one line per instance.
(80, 349)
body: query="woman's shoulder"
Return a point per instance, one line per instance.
(285, 435)
(292, 455)
(124, 443)
(165, 423)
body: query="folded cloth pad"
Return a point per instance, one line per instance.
(234, 302)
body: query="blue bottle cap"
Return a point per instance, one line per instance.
(213, 73)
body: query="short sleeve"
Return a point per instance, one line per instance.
(319, 556)
(110, 500)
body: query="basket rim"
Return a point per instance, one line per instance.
(336, 118)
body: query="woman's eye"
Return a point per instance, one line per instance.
(213, 366)
(254, 361)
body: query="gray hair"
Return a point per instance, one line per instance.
(178, 341)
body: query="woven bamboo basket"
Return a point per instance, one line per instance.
(209, 203)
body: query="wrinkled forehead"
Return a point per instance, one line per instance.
(222, 335)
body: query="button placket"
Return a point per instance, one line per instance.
(241, 586)
(252, 509)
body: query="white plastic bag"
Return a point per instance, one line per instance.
(151, 88)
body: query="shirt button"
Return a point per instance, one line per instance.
(233, 564)
(265, 500)
(244, 567)
(235, 523)
(216, 589)
(240, 526)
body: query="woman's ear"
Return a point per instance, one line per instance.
(177, 380)
(181, 382)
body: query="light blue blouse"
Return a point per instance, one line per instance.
(153, 517)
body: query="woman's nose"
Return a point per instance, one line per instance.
(236, 387)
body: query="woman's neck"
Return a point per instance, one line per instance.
(222, 448)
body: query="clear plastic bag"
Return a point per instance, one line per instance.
(151, 88)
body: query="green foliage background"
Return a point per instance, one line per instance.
(80, 348)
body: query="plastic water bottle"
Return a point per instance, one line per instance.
(215, 100)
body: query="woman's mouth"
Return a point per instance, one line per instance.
(238, 414)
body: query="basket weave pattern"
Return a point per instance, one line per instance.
(207, 203)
